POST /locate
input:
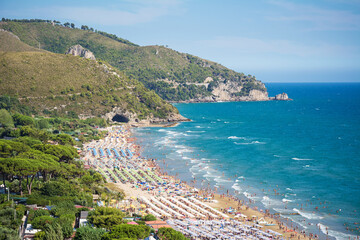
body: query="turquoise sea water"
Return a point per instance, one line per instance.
(306, 150)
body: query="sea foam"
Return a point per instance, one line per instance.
(236, 187)
(301, 159)
(338, 235)
(307, 215)
(249, 143)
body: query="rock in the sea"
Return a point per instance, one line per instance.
(257, 95)
(78, 50)
(282, 96)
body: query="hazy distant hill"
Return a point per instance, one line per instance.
(66, 84)
(173, 75)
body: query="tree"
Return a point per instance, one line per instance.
(87, 179)
(127, 231)
(67, 24)
(11, 148)
(43, 124)
(63, 153)
(66, 208)
(8, 234)
(22, 120)
(107, 221)
(149, 217)
(37, 213)
(53, 232)
(89, 233)
(21, 168)
(39, 235)
(49, 163)
(40, 222)
(107, 218)
(64, 139)
(170, 234)
(5, 119)
(29, 141)
(9, 218)
(72, 25)
(67, 229)
(58, 188)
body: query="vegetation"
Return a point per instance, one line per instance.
(172, 75)
(65, 85)
(106, 218)
(170, 234)
(89, 233)
(59, 182)
(43, 168)
(126, 231)
(149, 217)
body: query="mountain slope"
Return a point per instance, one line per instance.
(66, 84)
(173, 75)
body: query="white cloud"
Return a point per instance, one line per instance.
(317, 18)
(243, 45)
(122, 13)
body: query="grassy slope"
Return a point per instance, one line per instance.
(146, 64)
(10, 43)
(47, 80)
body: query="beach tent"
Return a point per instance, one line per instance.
(262, 221)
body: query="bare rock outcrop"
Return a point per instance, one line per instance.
(224, 91)
(132, 118)
(78, 50)
(257, 95)
(282, 96)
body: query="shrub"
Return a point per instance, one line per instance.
(170, 234)
(124, 231)
(40, 222)
(149, 217)
(6, 119)
(8, 234)
(22, 120)
(39, 235)
(38, 213)
(89, 233)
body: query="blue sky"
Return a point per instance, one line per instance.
(275, 40)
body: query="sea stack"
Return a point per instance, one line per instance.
(282, 96)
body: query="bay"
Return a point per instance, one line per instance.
(300, 156)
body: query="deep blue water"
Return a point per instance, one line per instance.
(306, 150)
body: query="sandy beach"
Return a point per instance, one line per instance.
(165, 196)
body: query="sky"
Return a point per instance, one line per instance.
(275, 40)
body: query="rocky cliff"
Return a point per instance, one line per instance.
(78, 50)
(131, 118)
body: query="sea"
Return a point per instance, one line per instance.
(299, 159)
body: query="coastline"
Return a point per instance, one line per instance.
(264, 158)
(221, 202)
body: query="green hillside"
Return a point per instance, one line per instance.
(10, 43)
(173, 75)
(61, 84)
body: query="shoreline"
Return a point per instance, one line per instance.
(233, 100)
(223, 201)
(220, 202)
